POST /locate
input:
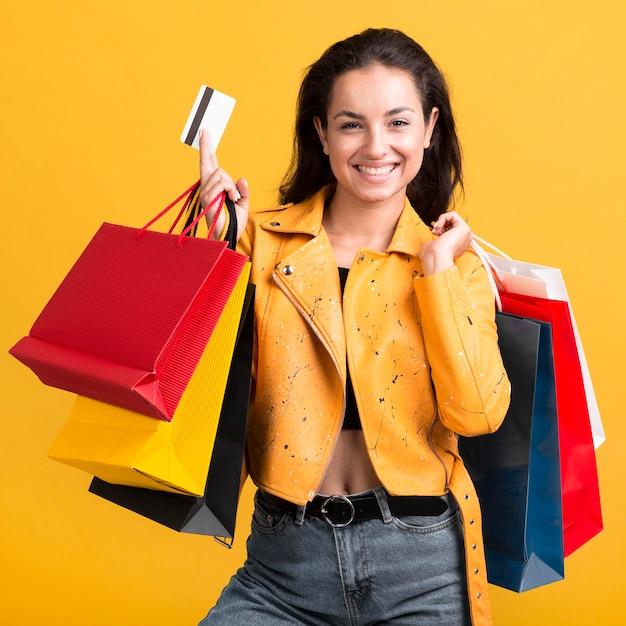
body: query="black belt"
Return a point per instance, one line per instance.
(341, 511)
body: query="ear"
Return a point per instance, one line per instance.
(321, 132)
(430, 126)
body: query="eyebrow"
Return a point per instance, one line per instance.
(358, 116)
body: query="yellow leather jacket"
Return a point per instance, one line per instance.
(422, 354)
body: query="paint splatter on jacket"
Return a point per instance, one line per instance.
(422, 353)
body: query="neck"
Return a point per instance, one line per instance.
(366, 217)
(352, 225)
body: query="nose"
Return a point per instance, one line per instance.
(375, 143)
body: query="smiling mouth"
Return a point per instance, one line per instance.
(376, 171)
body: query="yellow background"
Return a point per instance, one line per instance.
(94, 98)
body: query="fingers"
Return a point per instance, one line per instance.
(216, 183)
(213, 179)
(209, 170)
(243, 191)
(447, 221)
(453, 237)
(208, 160)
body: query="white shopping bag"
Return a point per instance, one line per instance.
(541, 281)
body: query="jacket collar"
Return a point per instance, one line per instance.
(306, 218)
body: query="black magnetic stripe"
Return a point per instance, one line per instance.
(202, 107)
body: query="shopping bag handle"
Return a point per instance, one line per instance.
(493, 273)
(492, 247)
(221, 200)
(188, 195)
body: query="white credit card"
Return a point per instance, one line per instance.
(211, 111)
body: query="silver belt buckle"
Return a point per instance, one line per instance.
(326, 513)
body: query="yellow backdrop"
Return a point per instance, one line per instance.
(94, 98)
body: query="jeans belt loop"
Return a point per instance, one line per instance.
(299, 515)
(326, 514)
(381, 498)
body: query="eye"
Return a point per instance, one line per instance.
(399, 123)
(349, 125)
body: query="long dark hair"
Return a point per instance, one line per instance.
(432, 191)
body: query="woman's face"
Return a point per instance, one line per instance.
(376, 134)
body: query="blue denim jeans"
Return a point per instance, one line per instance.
(405, 571)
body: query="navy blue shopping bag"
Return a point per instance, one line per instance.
(516, 470)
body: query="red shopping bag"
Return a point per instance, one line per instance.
(582, 515)
(543, 281)
(130, 321)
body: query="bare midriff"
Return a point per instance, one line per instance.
(350, 470)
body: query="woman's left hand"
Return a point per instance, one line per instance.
(453, 238)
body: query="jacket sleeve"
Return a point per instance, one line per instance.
(458, 322)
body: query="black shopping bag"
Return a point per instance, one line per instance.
(516, 470)
(215, 512)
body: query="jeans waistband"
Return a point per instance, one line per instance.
(340, 510)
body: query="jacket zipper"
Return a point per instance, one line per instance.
(325, 344)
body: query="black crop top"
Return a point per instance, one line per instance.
(351, 420)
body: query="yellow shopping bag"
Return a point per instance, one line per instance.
(127, 448)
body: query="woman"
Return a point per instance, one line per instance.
(376, 346)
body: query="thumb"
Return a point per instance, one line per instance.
(243, 193)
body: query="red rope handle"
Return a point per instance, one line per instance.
(219, 198)
(183, 209)
(188, 192)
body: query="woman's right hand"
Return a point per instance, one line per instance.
(214, 180)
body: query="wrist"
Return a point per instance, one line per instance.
(435, 263)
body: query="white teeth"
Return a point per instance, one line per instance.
(376, 171)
